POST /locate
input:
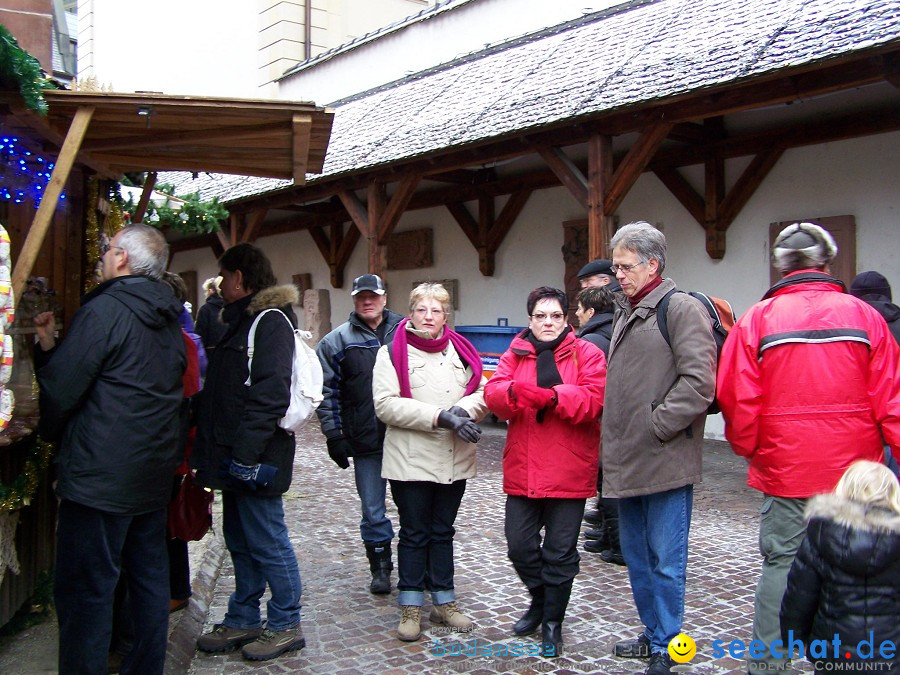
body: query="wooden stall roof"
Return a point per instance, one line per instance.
(156, 132)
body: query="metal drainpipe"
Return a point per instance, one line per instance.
(307, 30)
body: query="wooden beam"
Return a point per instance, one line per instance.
(683, 192)
(223, 240)
(600, 221)
(302, 126)
(746, 185)
(631, 168)
(256, 219)
(356, 209)
(466, 222)
(196, 137)
(396, 206)
(376, 207)
(714, 179)
(508, 215)
(41, 223)
(141, 209)
(569, 174)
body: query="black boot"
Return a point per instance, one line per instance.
(556, 599)
(613, 554)
(380, 564)
(535, 614)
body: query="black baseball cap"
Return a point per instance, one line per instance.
(368, 282)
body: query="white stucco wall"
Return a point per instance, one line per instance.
(850, 177)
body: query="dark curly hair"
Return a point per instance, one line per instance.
(255, 267)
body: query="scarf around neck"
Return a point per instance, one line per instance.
(403, 339)
(547, 372)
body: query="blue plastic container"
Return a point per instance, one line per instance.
(490, 341)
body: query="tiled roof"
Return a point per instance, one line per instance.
(632, 54)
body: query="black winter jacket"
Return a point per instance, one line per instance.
(110, 394)
(347, 355)
(888, 310)
(209, 326)
(238, 422)
(598, 331)
(845, 579)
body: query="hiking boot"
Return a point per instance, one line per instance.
(223, 638)
(660, 664)
(273, 643)
(410, 628)
(639, 648)
(449, 614)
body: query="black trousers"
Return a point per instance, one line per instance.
(552, 561)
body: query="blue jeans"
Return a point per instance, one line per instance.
(653, 530)
(257, 538)
(425, 547)
(93, 548)
(375, 526)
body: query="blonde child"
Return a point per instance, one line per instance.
(845, 581)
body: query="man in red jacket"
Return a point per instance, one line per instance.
(807, 383)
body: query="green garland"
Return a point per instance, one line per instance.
(20, 70)
(194, 217)
(19, 493)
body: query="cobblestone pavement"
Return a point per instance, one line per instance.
(349, 630)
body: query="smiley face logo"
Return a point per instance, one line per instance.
(682, 648)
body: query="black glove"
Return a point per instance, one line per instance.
(251, 476)
(459, 412)
(463, 427)
(339, 449)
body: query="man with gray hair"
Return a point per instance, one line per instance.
(110, 395)
(653, 419)
(806, 388)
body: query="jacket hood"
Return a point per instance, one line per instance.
(888, 310)
(851, 536)
(273, 297)
(151, 301)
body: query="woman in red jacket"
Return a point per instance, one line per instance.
(549, 386)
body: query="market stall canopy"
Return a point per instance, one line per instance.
(118, 133)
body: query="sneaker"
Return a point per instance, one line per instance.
(639, 648)
(449, 614)
(222, 638)
(410, 628)
(660, 664)
(273, 643)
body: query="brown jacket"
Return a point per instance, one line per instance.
(656, 397)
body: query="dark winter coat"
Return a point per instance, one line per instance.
(209, 324)
(238, 422)
(598, 331)
(110, 396)
(888, 310)
(347, 355)
(845, 579)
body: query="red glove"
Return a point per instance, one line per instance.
(532, 396)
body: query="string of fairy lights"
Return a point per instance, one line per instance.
(23, 174)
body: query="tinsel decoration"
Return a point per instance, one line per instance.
(19, 493)
(91, 237)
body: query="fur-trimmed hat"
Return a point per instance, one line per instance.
(803, 245)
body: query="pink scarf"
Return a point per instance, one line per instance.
(403, 339)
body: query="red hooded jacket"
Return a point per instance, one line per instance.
(806, 379)
(557, 457)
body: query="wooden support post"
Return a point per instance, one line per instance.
(141, 209)
(44, 215)
(377, 198)
(302, 127)
(600, 223)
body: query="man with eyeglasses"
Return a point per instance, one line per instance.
(110, 397)
(598, 273)
(347, 414)
(653, 418)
